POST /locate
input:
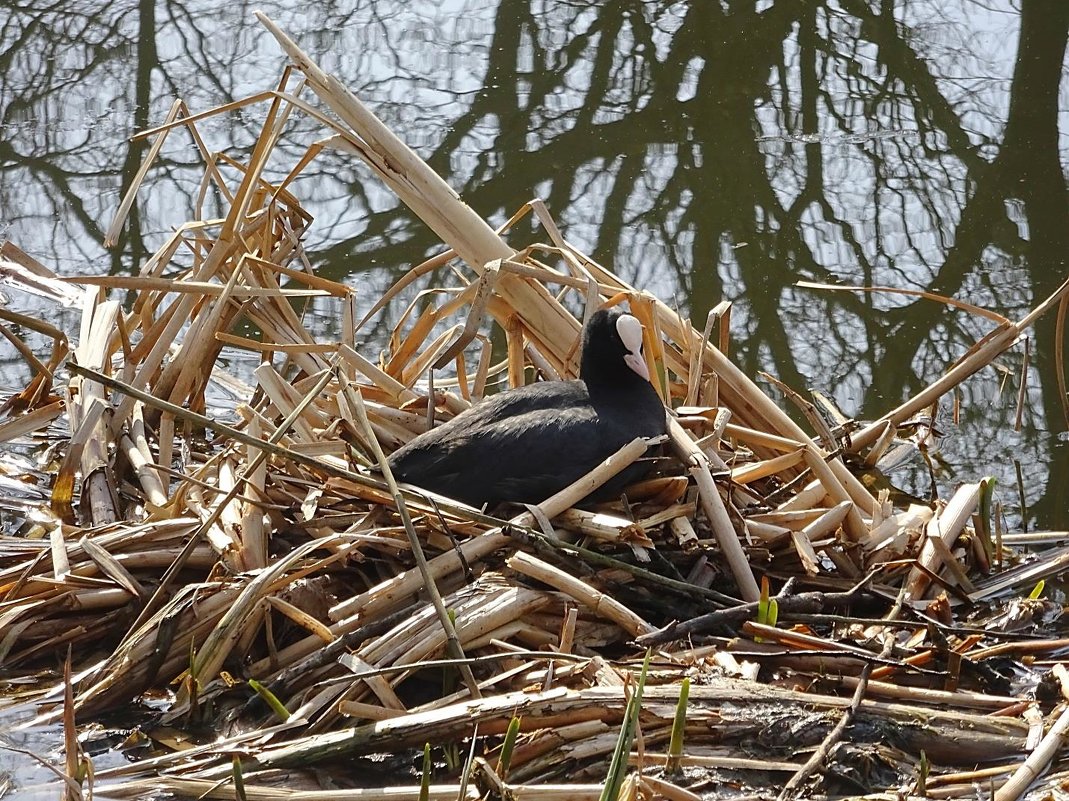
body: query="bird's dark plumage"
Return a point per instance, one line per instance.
(527, 443)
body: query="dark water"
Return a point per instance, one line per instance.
(705, 150)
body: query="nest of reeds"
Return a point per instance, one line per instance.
(292, 609)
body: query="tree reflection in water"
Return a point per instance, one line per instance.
(704, 150)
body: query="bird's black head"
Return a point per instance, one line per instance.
(612, 350)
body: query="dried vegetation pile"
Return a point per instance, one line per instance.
(306, 613)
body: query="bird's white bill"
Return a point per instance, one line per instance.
(630, 331)
(638, 364)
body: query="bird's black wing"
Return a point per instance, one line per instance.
(523, 457)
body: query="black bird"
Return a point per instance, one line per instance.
(525, 444)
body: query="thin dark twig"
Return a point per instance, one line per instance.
(820, 756)
(803, 602)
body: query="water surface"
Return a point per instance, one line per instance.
(706, 151)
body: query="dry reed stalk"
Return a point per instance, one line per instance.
(602, 526)
(768, 467)
(696, 759)
(898, 527)
(99, 321)
(946, 525)
(39, 387)
(948, 560)
(20, 269)
(112, 568)
(1020, 648)
(1036, 538)
(756, 530)
(600, 603)
(979, 356)
(1037, 761)
(362, 711)
(942, 698)
(827, 524)
(854, 525)
(797, 639)
(144, 469)
(127, 203)
(252, 531)
(30, 422)
(378, 684)
(665, 789)
(882, 442)
(810, 496)
(168, 285)
(204, 788)
(965, 780)
(787, 519)
(666, 515)
(382, 379)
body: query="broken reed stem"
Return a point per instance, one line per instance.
(1037, 761)
(602, 604)
(221, 504)
(453, 646)
(715, 511)
(585, 485)
(946, 526)
(411, 179)
(982, 354)
(924, 695)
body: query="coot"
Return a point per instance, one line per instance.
(526, 444)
